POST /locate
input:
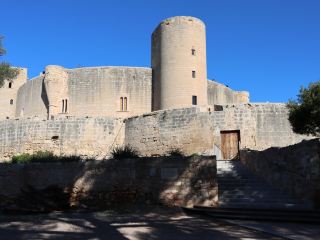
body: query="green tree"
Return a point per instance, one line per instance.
(304, 113)
(6, 71)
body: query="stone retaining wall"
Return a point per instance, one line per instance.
(295, 168)
(172, 181)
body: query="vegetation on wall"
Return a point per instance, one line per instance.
(43, 156)
(124, 152)
(304, 113)
(6, 71)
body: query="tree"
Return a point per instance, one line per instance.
(6, 71)
(304, 114)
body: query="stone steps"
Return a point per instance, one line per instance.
(239, 188)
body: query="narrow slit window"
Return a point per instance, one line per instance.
(10, 84)
(66, 106)
(121, 104)
(11, 101)
(193, 74)
(194, 100)
(62, 109)
(193, 52)
(125, 104)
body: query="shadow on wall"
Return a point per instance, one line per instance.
(295, 169)
(44, 97)
(172, 181)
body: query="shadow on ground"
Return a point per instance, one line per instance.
(137, 224)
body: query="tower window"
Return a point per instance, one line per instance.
(193, 74)
(64, 108)
(11, 101)
(193, 51)
(10, 84)
(194, 100)
(123, 104)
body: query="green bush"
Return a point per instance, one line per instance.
(22, 158)
(124, 152)
(43, 156)
(176, 152)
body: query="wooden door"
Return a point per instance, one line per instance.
(230, 144)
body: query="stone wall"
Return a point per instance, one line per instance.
(170, 181)
(192, 130)
(261, 126)
(32, 99)
(87, 137)
(8, 94)
(219, 94)
(97, 91)
(188, 129)
(295, 168)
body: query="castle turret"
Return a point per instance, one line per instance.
(179, 63)
(56, 86)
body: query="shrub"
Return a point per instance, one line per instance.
(124, 152)
(22, 158)
(43, 156)
(176, 152)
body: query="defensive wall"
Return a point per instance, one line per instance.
(192, 130)
(179, 181)
(92, 91)
(87, 137)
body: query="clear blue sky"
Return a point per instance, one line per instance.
(268, 47)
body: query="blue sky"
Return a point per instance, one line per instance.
(269, 47)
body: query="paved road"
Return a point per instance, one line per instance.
(148, 224)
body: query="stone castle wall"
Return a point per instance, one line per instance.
(97, 91)
(8, 95)
(261, 126)
(192, 130)
(32, 99)
(219, 94)
(188, 129)
(87, 137)
(93, 92)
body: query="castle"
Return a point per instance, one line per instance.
(177, 78)
(89, 110)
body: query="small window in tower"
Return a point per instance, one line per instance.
(194, 100)
(10, 84)
(121, 104)
(125, 104)
(11, 101)
(193, 74)
(193, 51)
(62, 109)
(66, 106)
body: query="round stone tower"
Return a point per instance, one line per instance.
(179, 66)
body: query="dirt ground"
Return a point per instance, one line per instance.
(155, 223)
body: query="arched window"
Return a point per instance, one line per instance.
(121, 104)
(11, 101)
(10, 84)
(125, 104)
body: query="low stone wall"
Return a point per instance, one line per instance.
(295, 168)
(86, 137)
(173, 181)
(188, 129)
